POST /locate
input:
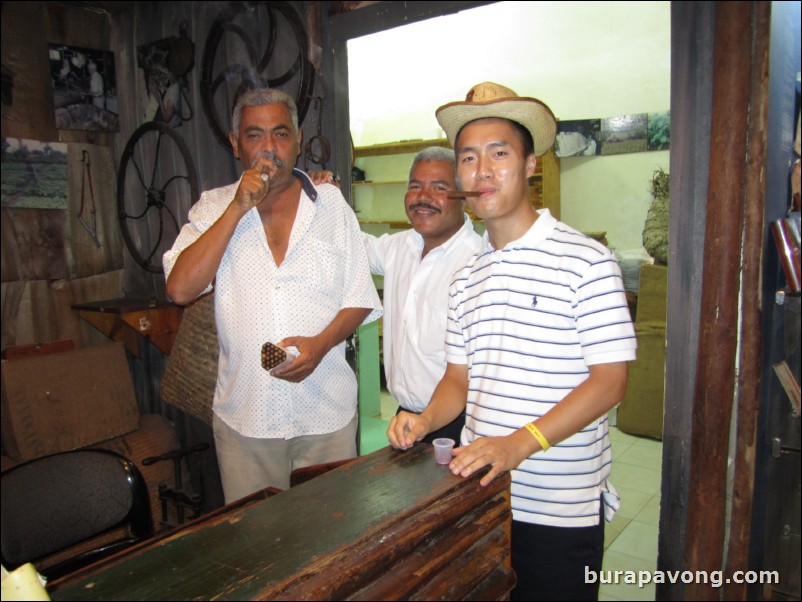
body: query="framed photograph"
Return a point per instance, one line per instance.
(659, 129)
(34, 174)
(84, 88)
(579, 138)
(163, 64)
(624, 134)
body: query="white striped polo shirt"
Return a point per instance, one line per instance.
(528, 320)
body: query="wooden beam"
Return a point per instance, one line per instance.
(715, 375)
(749, 374)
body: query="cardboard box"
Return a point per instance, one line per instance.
(64, 401)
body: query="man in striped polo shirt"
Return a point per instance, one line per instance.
(537, 345)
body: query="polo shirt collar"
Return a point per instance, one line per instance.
(537, 233)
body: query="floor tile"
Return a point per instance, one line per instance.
(648, 443)
(640, 455)
(614, 529)
(632, 501)
(619, 448)
(627, 591)
(638, 540)
(638, 478)
(650, 513)
(613, 585)
(621, 561)
(621, 437)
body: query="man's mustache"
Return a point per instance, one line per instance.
(271, 156)
(424, 206)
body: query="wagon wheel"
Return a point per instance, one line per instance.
(156, 185)
(232, 64)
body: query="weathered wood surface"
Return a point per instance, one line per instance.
(125, 320)
(749, 372)
(390, 525)
(714, 389)
(33, 244)
(98, 184)
(38, 311)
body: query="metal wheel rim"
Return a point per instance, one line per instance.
(210, 83)
(147, 179)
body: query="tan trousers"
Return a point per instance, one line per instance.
(248, 464)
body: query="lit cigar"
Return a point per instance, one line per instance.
(462, 194)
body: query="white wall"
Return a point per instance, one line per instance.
(585, 59)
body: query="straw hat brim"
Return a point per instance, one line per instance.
(529, 112)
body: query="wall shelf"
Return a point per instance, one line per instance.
(398, 148)
(372, 183)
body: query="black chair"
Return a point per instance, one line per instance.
(57, 501)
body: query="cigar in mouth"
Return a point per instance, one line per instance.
(462, 194)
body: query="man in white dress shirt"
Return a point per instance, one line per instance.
(417, 266)
(288, 266)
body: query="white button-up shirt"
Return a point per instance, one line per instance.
(324, 271)
(416, 307)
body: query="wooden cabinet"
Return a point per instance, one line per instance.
(386, 180)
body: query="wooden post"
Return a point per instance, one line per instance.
(748, 394)
(715, 375)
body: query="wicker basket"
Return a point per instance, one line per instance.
(191, 374)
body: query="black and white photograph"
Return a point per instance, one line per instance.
(34, 174)
(624, 134)
(163, 63)
(84, 88)
(578, 138)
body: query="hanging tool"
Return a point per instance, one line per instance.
(86, 174)
(318, 149)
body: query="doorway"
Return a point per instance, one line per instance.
(619, 63)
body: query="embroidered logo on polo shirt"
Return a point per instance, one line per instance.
(534, 300)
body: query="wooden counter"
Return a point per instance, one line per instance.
(391, 525)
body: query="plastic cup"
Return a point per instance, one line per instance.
(442, 450)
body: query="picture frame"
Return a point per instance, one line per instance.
(84, 87)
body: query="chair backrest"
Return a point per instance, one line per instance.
(53, 502)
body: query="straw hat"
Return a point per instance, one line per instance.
(494, 100)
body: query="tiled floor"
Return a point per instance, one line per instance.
(631, 539)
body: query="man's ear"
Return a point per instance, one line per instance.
(232, 138)
(531, 164)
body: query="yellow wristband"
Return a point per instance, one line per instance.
(535, 432)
